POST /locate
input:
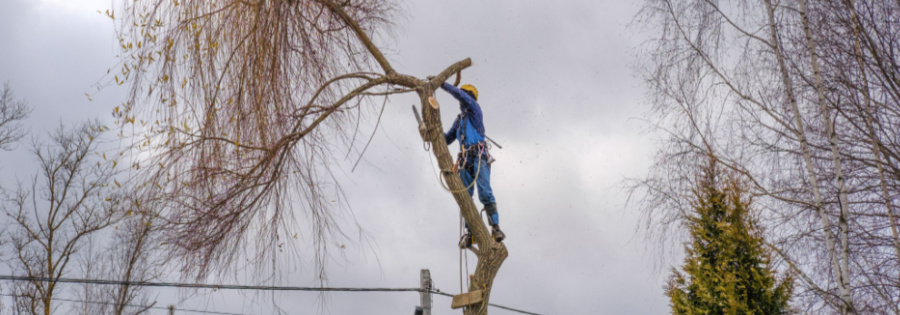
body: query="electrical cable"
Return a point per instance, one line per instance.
(490, 304)
(206, 286)
(132, 305)
(237, 287)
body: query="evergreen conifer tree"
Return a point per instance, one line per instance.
(727, 269)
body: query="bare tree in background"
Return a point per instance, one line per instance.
(240, 104)
(800, 97)
(11, 111)
(52, 215)
(128, 253)
(90, 265)
(133, 258)
(861, 79)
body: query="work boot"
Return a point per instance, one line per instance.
(498, 234)
(465, 241)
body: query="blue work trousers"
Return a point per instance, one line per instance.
(480, 171)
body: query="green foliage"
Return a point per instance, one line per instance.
(726, 270)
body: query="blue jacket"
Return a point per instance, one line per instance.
(469, 125)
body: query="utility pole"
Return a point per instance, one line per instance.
(425, 293)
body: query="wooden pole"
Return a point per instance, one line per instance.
(425, 294)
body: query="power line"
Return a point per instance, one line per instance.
(489, 304)
(132, 305)
(236, 287)
(204, 286)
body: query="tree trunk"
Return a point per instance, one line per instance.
(490, 253)
(868, 117)
(804, 145)
(844, 229)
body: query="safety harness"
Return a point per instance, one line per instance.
(480, 148)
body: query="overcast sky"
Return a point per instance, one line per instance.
(557, 92)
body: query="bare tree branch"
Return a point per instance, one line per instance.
(11, 111)
(68, 200)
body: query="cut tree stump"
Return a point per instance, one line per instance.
(433, 102)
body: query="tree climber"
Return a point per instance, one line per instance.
(473, 161)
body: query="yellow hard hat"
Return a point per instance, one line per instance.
(471, 89)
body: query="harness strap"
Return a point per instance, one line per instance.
(462, 159)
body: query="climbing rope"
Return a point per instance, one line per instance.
(482, 147)
(467, 270)
(467, 265)
(461, 250)
(461, 255)
(456, 169)
(462, 221)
